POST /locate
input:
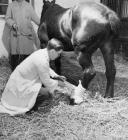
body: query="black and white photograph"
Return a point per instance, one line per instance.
(63, 69)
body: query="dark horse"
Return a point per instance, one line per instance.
(83, 28)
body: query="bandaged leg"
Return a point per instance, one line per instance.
(78, 94)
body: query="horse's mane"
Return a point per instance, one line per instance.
(57, 6)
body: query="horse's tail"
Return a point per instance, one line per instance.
(114, 22)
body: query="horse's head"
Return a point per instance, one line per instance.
(92, 23)
(48, 4)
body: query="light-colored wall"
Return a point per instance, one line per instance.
(38, 9)
(70, 3)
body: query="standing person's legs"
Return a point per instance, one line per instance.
(14, 61)
(21, 58)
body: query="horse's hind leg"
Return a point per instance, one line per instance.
(88, 69)
(108, 54)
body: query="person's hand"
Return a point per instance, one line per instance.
(61, 84)
(60, 78)
(15, 27)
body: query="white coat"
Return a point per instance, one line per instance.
(23, 86)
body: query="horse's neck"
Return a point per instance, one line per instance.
(44, 9)
(42, 13)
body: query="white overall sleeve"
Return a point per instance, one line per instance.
(44, 74)
(52, 73)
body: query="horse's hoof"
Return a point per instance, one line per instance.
(108, 96)
(72, 102)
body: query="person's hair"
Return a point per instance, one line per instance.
(55, 44)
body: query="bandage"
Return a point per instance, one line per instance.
(78, 93)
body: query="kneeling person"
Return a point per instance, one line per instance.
(25, 83)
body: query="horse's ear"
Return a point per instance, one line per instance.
(44, 1)
(53, 1)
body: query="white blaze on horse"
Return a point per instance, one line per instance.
(83, 28)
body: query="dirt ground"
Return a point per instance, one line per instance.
(95, 119)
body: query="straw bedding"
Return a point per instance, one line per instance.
(95, 119)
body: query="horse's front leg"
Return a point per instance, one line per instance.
(88, 74)
(108, 54)
(88, 69)
(58, 65)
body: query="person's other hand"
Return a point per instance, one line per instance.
(60, 78)
(61, 84)
(15, 27)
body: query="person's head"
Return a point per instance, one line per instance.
(55, 48)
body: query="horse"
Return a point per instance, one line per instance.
(83, 28)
